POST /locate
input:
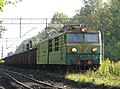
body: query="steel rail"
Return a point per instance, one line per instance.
(37, 81)
(20, 83)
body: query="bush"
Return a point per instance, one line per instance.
(117, 68)
(109, 68)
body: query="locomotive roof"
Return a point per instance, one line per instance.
(68, 29)
(72, 29)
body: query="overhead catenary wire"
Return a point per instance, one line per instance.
(25, 21)
(20, 22)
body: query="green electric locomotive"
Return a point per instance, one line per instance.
(72, 45)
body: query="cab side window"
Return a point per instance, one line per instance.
(56, 44)
(50, 45)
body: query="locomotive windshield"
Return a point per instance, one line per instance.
(83, 37)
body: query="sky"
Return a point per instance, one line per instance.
(42, 8)
(32, 9)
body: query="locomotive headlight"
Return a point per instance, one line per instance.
(94, 50)
(74, 50)
(83, 30)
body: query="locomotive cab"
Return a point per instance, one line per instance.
(83, 47)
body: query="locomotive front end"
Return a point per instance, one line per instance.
(84, 47)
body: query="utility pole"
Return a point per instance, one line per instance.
(20, 27)
(2, 52)
(6, 43)
(103, 32)
(46, 29)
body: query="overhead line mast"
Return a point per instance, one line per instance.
(20, 27)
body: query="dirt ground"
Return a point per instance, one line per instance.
(4, 83)
(55, 80)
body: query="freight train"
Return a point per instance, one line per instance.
(73, 45)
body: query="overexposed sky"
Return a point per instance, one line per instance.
(42, 8)
(33, 9)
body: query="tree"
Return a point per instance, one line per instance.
(2, 3)
(57, 22)
(1, 29)
(89, 14)
(112, 26)
(60, 18)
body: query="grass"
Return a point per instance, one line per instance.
(106, 80)
(108, 74)
(109, 68)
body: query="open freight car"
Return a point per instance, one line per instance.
(24, 59)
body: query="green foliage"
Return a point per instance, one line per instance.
(76, 77)
(2, 61)
(1, 29)
(2, 3)
(89, 14)
(58, 21)
(107, 74)
(60, 18)
(23, 46)
(5, 2)
(95, 79)
(116, 52)
(116, 69)
(108, 68)
(112, 37)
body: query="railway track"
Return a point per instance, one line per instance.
(25, 82)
